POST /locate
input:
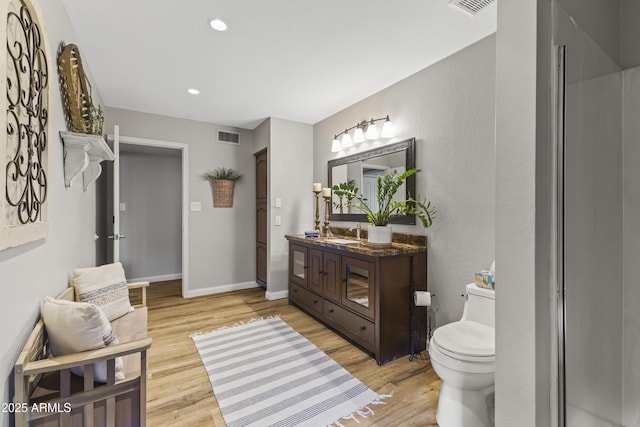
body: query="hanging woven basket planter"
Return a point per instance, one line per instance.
(223, 193)
(223, 180)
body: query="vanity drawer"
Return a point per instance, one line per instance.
(363, 331)
(306, 299)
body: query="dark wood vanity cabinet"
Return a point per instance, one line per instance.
(364, 294)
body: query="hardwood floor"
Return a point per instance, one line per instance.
(179, 392)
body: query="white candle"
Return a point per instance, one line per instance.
(326, 192)
(317, 187)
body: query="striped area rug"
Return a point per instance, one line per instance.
(264, 373)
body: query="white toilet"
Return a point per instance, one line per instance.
(463, 355)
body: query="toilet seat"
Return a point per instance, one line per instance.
(466, 340)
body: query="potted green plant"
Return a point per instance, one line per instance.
(379, 233)
(345, 190)
(223, 181)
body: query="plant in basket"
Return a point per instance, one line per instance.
(223, 181)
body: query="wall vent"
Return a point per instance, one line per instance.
(470, 7)
(228, 137)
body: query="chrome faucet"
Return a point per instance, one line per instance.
(357, 231)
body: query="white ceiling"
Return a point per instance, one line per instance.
(300, 60)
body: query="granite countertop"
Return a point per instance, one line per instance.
(360, 247)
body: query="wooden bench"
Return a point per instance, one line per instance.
(48, 394)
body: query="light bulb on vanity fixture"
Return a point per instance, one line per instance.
(365, 130)
(346, 140)
(336, 145)
(387, 129)
(358, 135)
(372, 131)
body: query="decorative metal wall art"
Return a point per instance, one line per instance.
(25, 124)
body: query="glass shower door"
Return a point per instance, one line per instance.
(590, 249)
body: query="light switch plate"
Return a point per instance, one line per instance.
(196, 206)
(123, 206)
(278, 220)
(278, 202)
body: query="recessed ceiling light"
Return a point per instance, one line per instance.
(218, 24)
(193, 91)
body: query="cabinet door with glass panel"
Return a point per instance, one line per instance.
(298, 265)
(358, 290)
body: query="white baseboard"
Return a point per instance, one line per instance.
(276, 295)
(161, 278)
(220, 289)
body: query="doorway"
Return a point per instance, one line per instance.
(261, 217)
(149, 189)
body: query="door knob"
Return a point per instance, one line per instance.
(117, 236)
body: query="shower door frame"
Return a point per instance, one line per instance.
(558, 291)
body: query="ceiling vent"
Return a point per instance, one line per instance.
(470, 7)
(228, 137)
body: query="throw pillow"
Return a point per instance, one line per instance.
(73, 327)
(104, 286)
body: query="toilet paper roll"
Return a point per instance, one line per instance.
(422, 298)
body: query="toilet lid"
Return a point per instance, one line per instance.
(466, 338)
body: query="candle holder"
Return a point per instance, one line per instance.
(317, 222)
(327, 208)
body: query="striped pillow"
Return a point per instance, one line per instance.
(104, 286)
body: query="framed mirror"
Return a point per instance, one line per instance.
(362, 170)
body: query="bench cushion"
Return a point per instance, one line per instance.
(131, 327)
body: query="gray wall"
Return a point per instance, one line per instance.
(600, 19)
(612, 24)
(449, 109)
(290, 152)
(221, 240)
(35, 270)
(151, 189)
(522, 173)
(631, 247)
(629, 33)
(262, 135)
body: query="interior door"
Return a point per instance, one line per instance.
(114, 228)
(261, 217)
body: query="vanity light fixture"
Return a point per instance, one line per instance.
(218, 24)
(365, 130)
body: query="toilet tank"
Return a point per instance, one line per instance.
(479, 305)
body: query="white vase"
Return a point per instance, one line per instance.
(379, 235)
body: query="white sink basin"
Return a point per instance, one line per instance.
(341, 241)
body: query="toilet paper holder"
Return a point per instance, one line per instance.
(420, 298)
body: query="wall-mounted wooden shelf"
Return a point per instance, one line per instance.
(83, 154)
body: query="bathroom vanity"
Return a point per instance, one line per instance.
(363, 293)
